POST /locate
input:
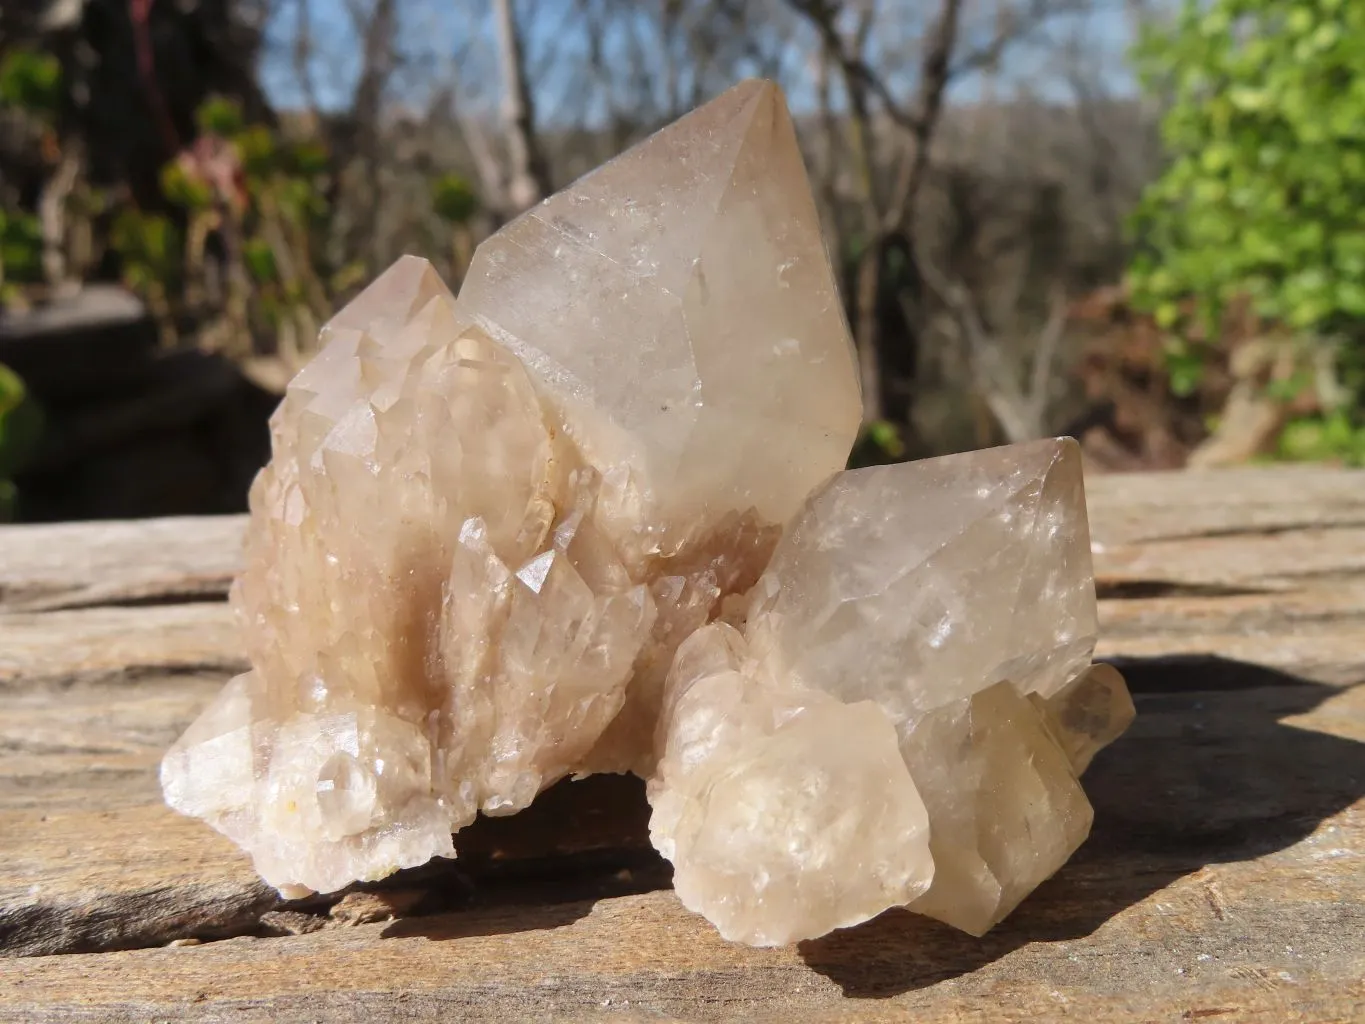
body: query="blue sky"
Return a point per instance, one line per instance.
(436, 34)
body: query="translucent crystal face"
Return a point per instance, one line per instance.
(786, 812)
(966, 568)
(678, 309)
(534, 532)
(954, 600)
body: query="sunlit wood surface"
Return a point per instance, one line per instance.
(1224, 880)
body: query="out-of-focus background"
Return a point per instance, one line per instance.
(1136, 221)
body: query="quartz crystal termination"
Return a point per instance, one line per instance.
(487, 523)
(905, 716)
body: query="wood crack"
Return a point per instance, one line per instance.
(1137, 590)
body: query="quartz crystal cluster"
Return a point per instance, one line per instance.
(589, 516)
(903, 716)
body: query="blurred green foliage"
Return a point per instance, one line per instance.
(184, 188)
(879, 443)
(32, 81)
(21, 248)
(259, 201)
(219, 115)
(1333, 436)
(243, 254)
(149, 245)
(454, 199)
(1263, 195)
(20, 424)
(253, 207)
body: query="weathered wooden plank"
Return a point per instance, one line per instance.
(94, 860)
(1317, 633)
(1144, 939)
(1225, 876)
(72, 565)
(1256, 561)
(63, 648)
(1234, 774)
(1129, 508)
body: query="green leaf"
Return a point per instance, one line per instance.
(1302, 441)
(1289, 388)
(219, 115)
(183, 187)
(256, 149)
(149, 245)
(1264, 179)
(21, 248)
(20, 423)
(309, 158)
(260, 260)
(32, 81)
(1186, 370)
(887, 437)
(454, 199)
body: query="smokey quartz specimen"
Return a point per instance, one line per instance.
(529, 533)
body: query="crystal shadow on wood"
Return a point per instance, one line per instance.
(1165, 807)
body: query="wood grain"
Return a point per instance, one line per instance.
(74, 565)
(63, 648)
(1127, 508)
(1225, 877)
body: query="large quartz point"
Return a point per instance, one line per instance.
(944, 607)
(589, 517)
(677, 309)
(680, 317)
(488, 523)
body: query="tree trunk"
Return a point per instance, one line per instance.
(52, 215)
(866, 334)
(528, 177)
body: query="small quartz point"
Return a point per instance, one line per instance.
(589, 517)
(947, 606)
(786, 812)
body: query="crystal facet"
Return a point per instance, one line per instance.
(677, 308)
(564, 524)
(955, 596)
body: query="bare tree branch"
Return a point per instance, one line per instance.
(302, 55)
(845, 52)
(1021, 412)
(1014, 25)
(1049, 340)
(883, 215)
(52, 215)
(934, 77)
(376, 27)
